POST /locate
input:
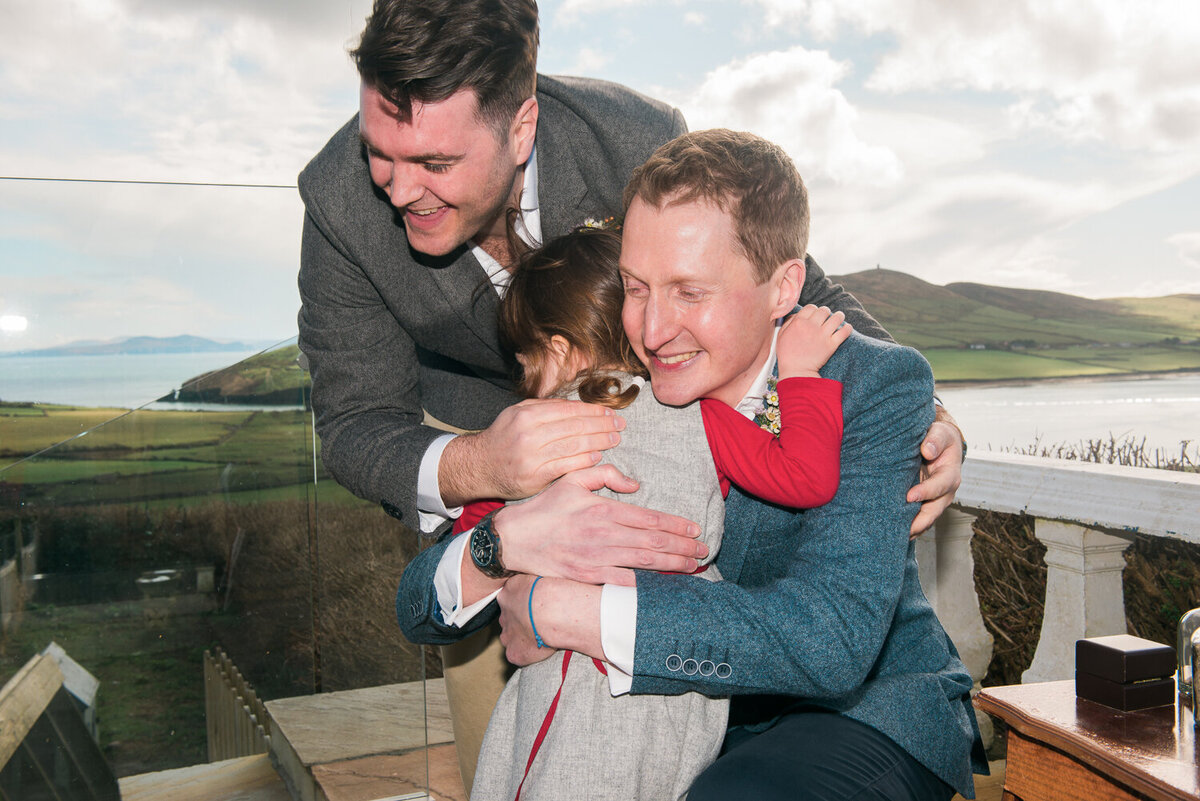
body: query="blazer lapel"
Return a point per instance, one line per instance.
(466, 288)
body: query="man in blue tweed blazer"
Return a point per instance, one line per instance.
(845, 684)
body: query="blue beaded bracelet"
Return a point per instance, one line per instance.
(536, 637)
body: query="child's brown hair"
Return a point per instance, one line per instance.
(571, 288)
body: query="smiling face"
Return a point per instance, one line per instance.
(694, 312)
(446, 171)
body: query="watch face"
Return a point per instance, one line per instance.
(483, 550)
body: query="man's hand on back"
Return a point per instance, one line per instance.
(568, 532)
(941, 472)
(524, 449)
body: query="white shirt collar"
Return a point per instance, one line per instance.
(751, 404)
(528, 227)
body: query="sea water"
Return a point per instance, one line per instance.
(1164, 410)
(119, 380)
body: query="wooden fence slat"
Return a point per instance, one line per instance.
(237, 720)
(23, 700)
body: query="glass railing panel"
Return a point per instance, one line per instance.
(138, 539)
(145, 537)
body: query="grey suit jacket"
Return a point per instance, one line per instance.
(389, 333)
(823, 607)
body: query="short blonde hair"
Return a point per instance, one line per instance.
(750, 179)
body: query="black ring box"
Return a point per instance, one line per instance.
(1124, 672)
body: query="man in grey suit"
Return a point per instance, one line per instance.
(404, 255)
(844, 683)
(404, 225)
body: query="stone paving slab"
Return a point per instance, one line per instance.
(386, 776)
(330, 727)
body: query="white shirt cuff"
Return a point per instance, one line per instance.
(447, 583)
(432, 510)
(618, 632)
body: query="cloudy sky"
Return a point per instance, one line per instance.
(1050, 145)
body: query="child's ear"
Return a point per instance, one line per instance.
(789, 281)
(560, 349)
(560, 359)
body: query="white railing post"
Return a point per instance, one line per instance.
(1084, 597)
(948, 576)
(947, 571)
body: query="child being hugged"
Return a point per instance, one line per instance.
(557, 731)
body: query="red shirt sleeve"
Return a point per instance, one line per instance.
(472, 513)
(799, 468)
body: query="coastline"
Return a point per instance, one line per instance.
(970, 383)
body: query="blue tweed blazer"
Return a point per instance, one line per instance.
(823, 607)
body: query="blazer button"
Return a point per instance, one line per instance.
(690, 666)
(674, 662)
(707, 667)
(392, 509)
(723, 671)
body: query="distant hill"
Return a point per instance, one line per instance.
(271, 378)
(971, 331)
(967, 331)
(1036, 302)
(140, 345)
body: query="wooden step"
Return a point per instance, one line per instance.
(249, 778)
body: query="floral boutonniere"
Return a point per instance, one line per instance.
(768, 415)
(609, 223)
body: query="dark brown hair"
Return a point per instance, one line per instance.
(426, 50)
(571, 288)
(747, 177)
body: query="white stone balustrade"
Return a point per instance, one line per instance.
(1086, 515)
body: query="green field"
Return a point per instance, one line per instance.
(72, 430)
(994, 365)
(152, 455)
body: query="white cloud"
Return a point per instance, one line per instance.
(101, 258)
(168, 91)
(1114, 70)
(790, 97)
(694, 18)
(1187, 245)
(589, 61)
(571, 11)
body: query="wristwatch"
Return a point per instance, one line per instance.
(485, 549)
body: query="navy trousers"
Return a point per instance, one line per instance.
(816, 755)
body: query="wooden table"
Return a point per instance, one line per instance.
(1062, 748)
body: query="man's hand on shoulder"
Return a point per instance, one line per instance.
(568, 532)
(524, 449)
(941, 471)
